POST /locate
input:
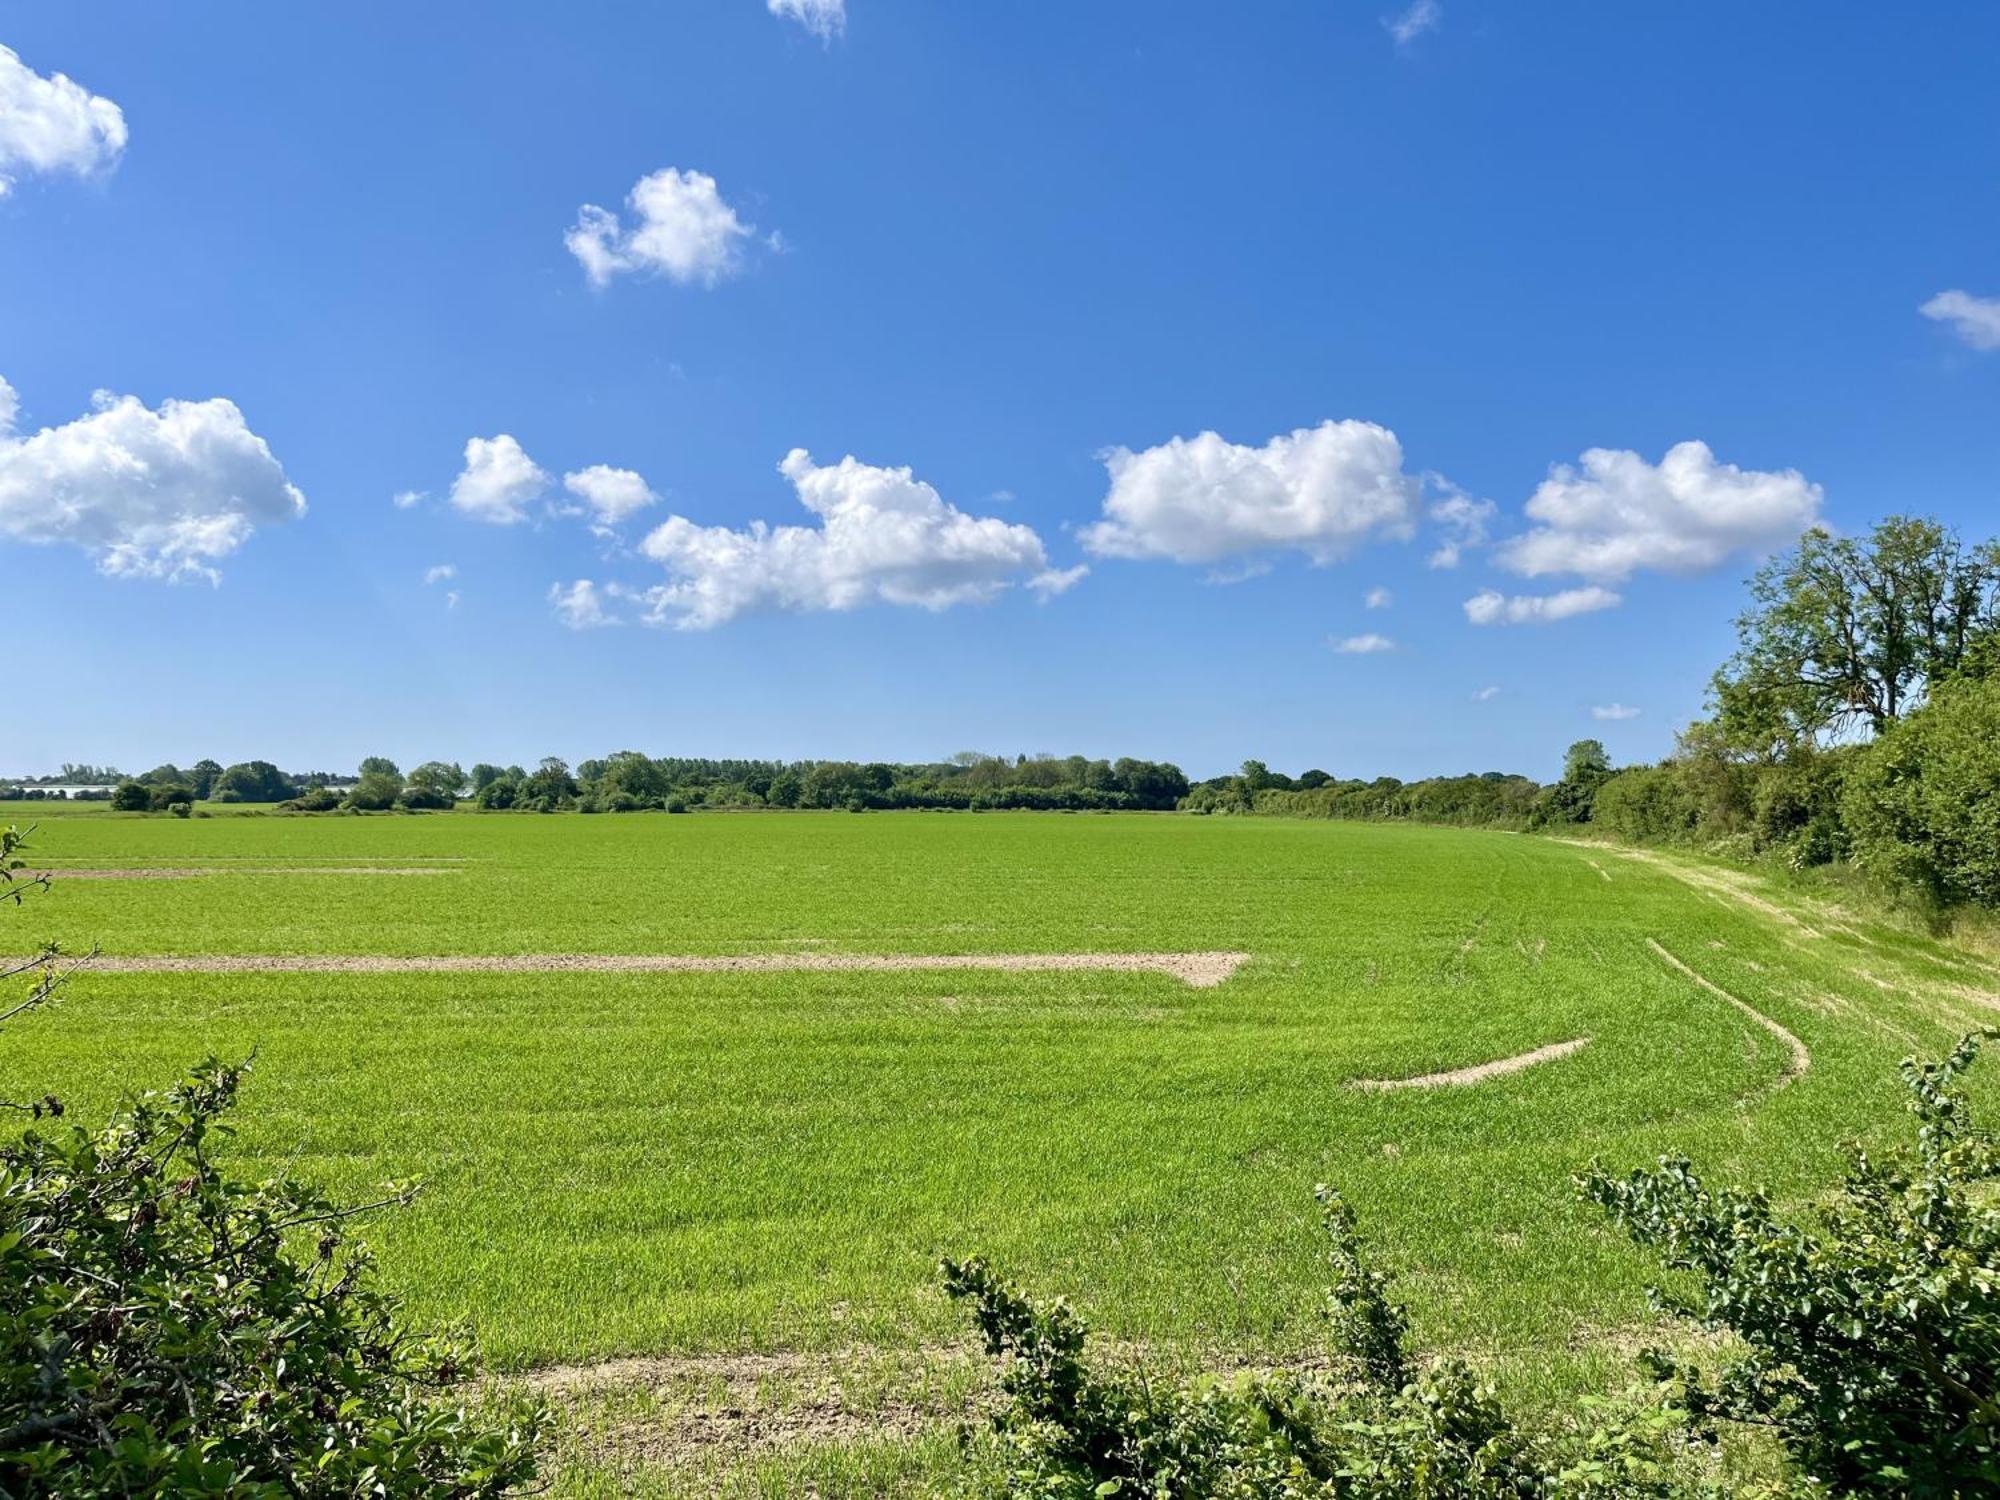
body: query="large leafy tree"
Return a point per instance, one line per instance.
(1849, 633)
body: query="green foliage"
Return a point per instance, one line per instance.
(376, 791)
(437, 783)
(1873, 1334)
(253, 781)
(1848, 630)
(1922, 804)
(132, 796)
(1645, 805)
(167, 1330)
(1383, 1429)
(1586, 767)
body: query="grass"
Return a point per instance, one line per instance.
(672, 1164)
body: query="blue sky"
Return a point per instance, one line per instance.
(992, 245)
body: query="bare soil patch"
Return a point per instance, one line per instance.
(1199, 970)
(191, 872)
(1498, 1068)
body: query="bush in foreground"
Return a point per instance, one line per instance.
(168, 1330)
(1869, 1349)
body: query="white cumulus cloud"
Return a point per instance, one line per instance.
(825, 19)
(1617, 514)
(1363, 645)
(149, 493)
(1613, 712)
(612, 494)
(580, 605)
(1378, 598)
(1319, 490)
(1491, 607)
(884, 536)
(681, 229)
(52, 124)
(499, 481)
(1974, 319)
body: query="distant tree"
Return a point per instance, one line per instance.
(550, 788)
(380, 765)
(439, 779)
(1586, 767)
(165, 796)
(253, 781)
(1313, 780)
(132, 796)
(484, 775)
(85, 772)
(375, 791)
(785, 790)
(163, 775)
(202, 777)
(499, 793)
(1585, 758)
(1852, 631)
(631, 774)
(1255, 777)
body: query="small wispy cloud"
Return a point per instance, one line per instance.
(1378, 598)
(1614, 711)
(1363, 645)
(1046, 584)
(1974, 319)
(1414, 20)
(580, 605)
(1485, 695)
(825, 19)
(1491, 607)
(407, 499)
(451, 599)
(440, 573)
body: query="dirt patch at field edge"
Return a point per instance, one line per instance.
(1199, 970)
(191, 872)
(1479, 1073)
(1801, 1058)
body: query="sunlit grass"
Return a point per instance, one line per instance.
(666, 1163)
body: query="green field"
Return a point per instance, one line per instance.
(721, 1164)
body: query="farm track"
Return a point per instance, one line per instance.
(1198, 970)
(195, 872)
(1478, 1073)
(1801, 1058)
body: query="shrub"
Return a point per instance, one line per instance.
(320, 799)
(1922, 803)
(167, 1330)
(1384, 1428)
(1645, 805)
(1871, 1339)
(163, 795)
(1873, 1334)
(132, 796)
(181, 809)
(419, 797)
(170, 1331)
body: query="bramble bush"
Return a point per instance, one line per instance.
(1868, 1339)
(166, 1329)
